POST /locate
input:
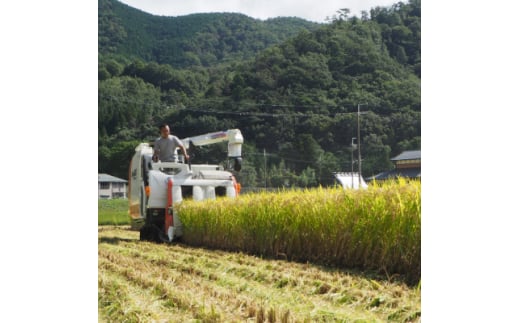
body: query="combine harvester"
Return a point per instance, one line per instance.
(154, 187)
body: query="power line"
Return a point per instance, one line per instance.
(264, 114)
(282, 157)
(237, 113)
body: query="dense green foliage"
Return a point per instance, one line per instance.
(192, 40)
(292, 88)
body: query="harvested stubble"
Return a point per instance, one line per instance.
(147, 282)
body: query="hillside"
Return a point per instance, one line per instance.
(295, 101)
(193, 40)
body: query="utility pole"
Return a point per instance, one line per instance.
(359, 143)
(352, 147)
(265, 171)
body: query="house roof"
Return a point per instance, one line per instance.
(408, 154)
(110, 178)
(395, 173)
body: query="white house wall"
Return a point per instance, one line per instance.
(113, 188)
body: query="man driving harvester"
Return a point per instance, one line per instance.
(165, 145)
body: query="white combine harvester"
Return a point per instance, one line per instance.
(155, 186)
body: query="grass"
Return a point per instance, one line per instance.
(145, 282)
(113, 212)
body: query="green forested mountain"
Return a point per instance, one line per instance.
(295, 100)
(194, 40)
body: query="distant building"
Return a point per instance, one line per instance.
(407, 165)
(110, 187)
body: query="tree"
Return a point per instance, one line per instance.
(307, 178)
(120, 156)
(342, 15)
(376, 155)
(125, 102)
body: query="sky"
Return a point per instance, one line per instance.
(311, 10)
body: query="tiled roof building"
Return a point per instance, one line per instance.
(110, 187)
(407, 164)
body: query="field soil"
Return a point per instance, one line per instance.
(147, 282)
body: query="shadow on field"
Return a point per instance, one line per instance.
(114, 240)
(380, 276)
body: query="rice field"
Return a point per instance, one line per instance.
(147, 282)
(318, 255)
(375, 229)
